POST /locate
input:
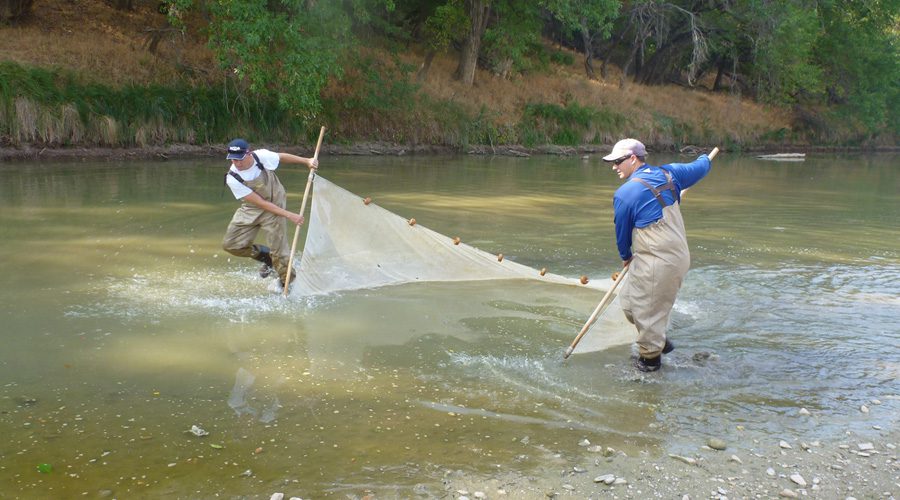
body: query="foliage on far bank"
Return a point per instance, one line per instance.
(52, 108)
(390, 70)
(783, 53)
(287, 53)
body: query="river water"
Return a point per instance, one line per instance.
(123, 324)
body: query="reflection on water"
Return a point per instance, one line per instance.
(124, 325)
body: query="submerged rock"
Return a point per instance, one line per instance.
(717, 444)
(197, 431)
(702, 356)
(605, 479)
(687, 460)
(26, 401)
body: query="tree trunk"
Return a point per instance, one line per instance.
(639, 62)
(14, 10)
(631, 57)
(478, 11)
(720, 73)
(588, 42)
(608, 53)
(663, 65)
(422, 75)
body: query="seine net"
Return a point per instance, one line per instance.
(352, 245)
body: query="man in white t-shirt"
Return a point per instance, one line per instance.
(252, 179)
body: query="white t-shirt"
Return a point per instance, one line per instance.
(269, 161)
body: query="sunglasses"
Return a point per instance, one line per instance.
(620, 160)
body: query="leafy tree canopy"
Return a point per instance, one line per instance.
(288, 51)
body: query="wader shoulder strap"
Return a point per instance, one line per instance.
(237, 176)
(656, 192)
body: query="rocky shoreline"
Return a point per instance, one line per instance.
(186, 151)
(863, 464)
(856, 467)
(850, 469)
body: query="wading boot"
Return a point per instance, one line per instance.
(281, 279)
(263, 255)
(669, 347)
(647, 365)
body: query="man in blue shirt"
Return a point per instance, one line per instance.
(651, 240)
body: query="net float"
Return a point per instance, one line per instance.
(367, 200)
(543, 271)
(584, 280)
(412, 222)
(456, 240)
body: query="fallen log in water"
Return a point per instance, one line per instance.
(784, 157)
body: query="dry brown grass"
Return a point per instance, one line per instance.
(109, 46)
(105, 45)
(724, 114)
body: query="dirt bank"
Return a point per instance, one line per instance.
(359, 149)
(29, 153)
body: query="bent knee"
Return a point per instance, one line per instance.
(232, 249)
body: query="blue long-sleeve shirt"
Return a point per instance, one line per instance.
(635, 206)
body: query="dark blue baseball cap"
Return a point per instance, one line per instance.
(237, 149)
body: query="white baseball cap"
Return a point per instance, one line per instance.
(626, 147)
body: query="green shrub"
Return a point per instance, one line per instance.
(674, 132)
(572, 125)
(382, 86)
(562, 58)
(38, 106)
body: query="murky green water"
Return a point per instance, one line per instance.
(124, 324)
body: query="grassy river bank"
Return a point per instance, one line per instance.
(73, 89)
